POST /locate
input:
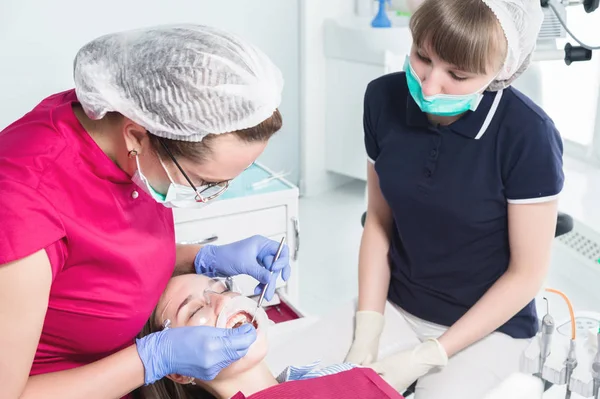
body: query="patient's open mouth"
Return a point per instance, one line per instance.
(239, 310)
(240, 318)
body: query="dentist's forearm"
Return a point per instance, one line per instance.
(184, 258)
(112, 377)
(511, 293)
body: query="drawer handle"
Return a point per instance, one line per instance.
(297, 236)
(204, 241)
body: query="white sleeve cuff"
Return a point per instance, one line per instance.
(536, 200)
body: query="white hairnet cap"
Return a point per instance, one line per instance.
(179, 82)
(521, 21)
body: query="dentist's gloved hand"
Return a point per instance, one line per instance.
(253, 256)
(403, 368)
(367, 330)
(200, 352)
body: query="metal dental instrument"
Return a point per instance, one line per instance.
(262, 294)
(265, 181)
(570, 363)
(546, 338)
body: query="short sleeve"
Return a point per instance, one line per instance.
(370, 137)
(533, 170)
(29, 222)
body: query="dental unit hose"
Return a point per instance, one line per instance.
(571, 360)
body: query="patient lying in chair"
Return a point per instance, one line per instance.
(192, 299)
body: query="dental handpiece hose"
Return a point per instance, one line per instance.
(262, 294)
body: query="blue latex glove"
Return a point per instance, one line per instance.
(200, 352)
(253, 256)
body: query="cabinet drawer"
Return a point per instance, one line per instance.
(233, 227)
(283, 312)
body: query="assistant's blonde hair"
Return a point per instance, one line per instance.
(464, 33)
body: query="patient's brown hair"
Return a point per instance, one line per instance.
(463, 33)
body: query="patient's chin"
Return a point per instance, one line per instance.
(255, 355)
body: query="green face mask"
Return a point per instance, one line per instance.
(160, 198)
(440, 104)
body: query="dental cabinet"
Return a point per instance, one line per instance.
(258, 202)
(355, 54)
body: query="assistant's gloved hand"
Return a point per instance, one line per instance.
(403, 368)
(200, 352)
(253, 256)
(368, 329)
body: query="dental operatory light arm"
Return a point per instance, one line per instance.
(531, 232)
(553, 4)
(554, 21)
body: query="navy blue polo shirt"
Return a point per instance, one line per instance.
(448, 188)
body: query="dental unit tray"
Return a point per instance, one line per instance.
(555, 370)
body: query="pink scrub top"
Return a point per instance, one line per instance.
(111, 246)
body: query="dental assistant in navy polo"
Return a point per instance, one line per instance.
(448, 188)
(463, 184)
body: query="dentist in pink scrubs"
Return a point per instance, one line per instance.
(159, 118)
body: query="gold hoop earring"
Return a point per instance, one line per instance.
(132, 154)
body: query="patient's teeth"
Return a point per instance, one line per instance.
(238, 320)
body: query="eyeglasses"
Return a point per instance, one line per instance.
(204, 193)
(201, 309)
(221, 285)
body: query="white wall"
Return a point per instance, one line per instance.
(315, 178)
(39, 39)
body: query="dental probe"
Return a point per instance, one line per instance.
(262, 294)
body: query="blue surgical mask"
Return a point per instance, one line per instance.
(178, 196)
(440, 104)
